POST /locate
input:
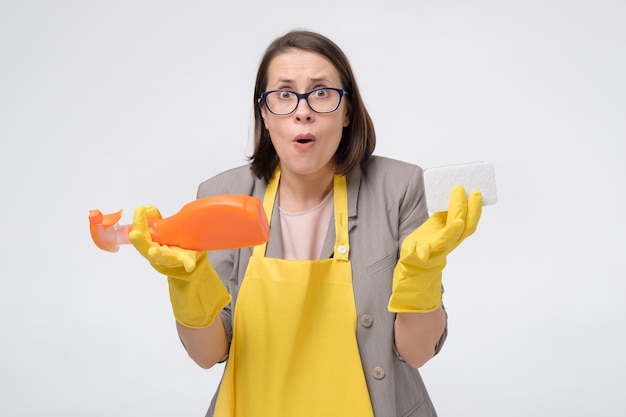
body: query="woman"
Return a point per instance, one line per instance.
(333, 316)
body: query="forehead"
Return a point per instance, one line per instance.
(297, 66)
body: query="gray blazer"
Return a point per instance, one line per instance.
(386, 202)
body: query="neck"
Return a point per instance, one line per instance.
(298, 193)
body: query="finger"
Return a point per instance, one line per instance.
(474, 210)
(139, 241)
(173, 257)
(153, 213)
(457, 207)
(189, 261)
(140, 234)
(140, 221)
(164, 256)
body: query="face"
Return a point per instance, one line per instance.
(305, 141)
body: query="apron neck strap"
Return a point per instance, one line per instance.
(340, 200)
(342, 245)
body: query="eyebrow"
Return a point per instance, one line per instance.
(311, 80)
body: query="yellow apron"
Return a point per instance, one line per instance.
(294, 351)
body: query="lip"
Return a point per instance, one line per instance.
(304, 138)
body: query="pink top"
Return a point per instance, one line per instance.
(304, 233)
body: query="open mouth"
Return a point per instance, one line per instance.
(304, 138)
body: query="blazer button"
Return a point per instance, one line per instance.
(378, 372)
(367, 320)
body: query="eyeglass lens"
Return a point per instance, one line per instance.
(320, 100)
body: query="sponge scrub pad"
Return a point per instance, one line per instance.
(439, 182)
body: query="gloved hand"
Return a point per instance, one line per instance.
(196, 292)
(417, 277)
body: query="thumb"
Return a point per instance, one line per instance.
(422, 251)
(449, 236)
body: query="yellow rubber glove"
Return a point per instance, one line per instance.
(417, 276)
(196, 291)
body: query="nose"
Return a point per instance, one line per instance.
(303, 112)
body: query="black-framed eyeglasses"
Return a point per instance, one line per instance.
(320, 100)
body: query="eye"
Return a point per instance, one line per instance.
(285, 94)
(321, 93)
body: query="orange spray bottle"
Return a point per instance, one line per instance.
(211, 223)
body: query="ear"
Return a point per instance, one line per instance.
(346, 114)
(263, 112)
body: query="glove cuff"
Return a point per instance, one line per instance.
(416, 290)
(198, 298)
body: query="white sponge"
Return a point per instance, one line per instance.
(440, 181)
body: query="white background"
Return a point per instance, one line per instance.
(113, 104)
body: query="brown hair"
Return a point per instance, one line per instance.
(358, 138)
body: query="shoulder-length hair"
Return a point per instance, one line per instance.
(358, 139)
